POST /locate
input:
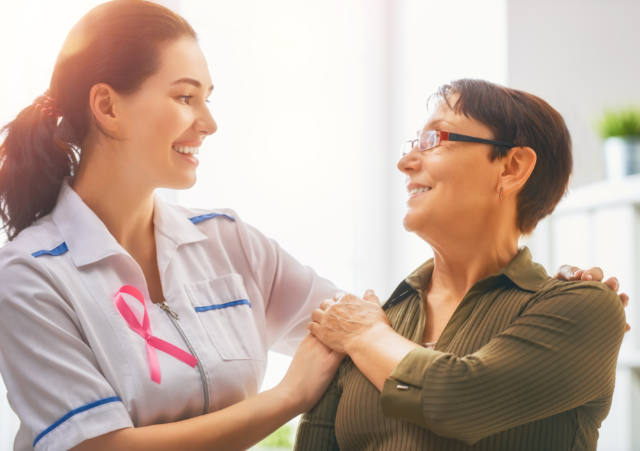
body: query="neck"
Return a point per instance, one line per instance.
(462, 261)
(121, 203)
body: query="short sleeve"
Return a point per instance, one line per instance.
(291, 290)
(53, 380)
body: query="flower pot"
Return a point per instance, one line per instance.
(622, 156)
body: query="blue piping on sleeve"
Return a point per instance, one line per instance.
(225, 305)
(55, 252)
(198, 219)
(72, 413)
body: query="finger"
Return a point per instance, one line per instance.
(338, 296)
(594, 273)
(317, 315)
(624, 297)
(565, 272)
(313, 329)
(612, 282)
(370, 295)
(577, 275)
(326, 304)
(627, 328)
(347, 298)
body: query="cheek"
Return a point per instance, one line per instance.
(466, 183)
(160, 119)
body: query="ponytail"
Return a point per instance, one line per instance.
(34, 160)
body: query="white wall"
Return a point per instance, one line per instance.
(581, 56)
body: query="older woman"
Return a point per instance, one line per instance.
(478, 348)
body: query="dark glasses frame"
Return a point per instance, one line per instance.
(437, 136)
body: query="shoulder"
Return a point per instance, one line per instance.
(588, 302)
(23, 251)
(28, 283)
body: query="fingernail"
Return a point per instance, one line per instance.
(589, 277)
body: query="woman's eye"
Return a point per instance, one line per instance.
(185, 99)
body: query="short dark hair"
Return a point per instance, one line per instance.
(524, 120)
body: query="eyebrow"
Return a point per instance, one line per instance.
(434, 125)
(191, 81)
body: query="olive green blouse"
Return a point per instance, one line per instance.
(526, 362)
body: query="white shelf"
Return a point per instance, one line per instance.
(630, 360)
(601, 194)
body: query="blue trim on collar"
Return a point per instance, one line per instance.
(72, 413)
(55, 252)
(225, 305)
(198, 219)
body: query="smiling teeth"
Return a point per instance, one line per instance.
(187, 150)
(419, 190)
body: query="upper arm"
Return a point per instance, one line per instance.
(53, 380)
(291, 290)
(560, 353)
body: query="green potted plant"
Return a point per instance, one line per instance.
(620, 130)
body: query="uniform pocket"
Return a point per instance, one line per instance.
(225, 312)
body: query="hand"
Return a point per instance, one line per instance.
(568, 272)
(312, 368)
(340, 323)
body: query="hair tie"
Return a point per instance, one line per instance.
(47, 105)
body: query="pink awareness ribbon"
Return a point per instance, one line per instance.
(144, 330)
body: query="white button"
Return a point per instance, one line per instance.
(402, 387)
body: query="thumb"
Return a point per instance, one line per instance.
(369, 295)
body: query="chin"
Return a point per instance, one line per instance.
(409, 223)
(183, 183)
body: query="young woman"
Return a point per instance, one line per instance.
(117, 309)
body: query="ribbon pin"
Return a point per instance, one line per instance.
(144, 330)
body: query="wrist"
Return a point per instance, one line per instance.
(371, 335)
(287, 398)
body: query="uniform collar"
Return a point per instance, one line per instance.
(521, 270)
(174, 224)
(89, 240)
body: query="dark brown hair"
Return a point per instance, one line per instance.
(524, 120)
(117, 43)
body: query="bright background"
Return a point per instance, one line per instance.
(313, 99)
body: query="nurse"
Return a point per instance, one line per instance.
(125, 322)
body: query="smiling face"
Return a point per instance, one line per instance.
(453, 187)
(163, 123)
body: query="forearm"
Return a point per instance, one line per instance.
(377, 352)
(234, 428)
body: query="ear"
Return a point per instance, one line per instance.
(516, 168)
(102, 102)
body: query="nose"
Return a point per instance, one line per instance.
(206, 123)
(410, 161)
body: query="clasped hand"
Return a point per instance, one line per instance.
(341, 322)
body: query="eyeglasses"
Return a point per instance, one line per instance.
(428, 139)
